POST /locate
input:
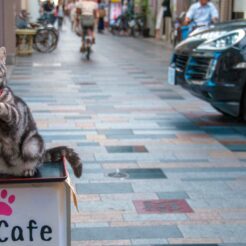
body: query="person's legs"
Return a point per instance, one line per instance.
(93, 28)
(88, 26)
(60, 21)
(52, 18)
(82, 48)
(84, 33)
(100, 24)
(92, 33)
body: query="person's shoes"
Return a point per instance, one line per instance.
(82, 49)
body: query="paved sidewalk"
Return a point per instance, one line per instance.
(182, 165)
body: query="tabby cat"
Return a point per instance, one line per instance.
(22, 149)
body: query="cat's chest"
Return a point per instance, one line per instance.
(9, 148)
(8, 143)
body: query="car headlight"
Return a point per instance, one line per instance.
(223, 42)
(209, 35)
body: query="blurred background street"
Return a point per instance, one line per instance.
(180, 165)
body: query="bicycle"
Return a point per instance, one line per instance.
(46, 39)
(42, 39)
(136, 25)
(120, 26)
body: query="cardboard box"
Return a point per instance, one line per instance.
(36, 211)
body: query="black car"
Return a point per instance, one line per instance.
(211, 64)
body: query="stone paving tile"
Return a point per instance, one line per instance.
(106, 205)
(195, 241)
(148, 241)
(232, 244)
(161, 185)
(97, 216)
(162, 206)
(221, 231)
(126, 149)
(208, 179)
(233, 215)
(106, 188)
(102, 243)
(122, 233)
(209, 169)
(155, 217)
(89, 225)
(129, 196)
(144, 173)
(173, 195)
(118, 132)
(119, 165)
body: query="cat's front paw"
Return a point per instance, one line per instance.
(29, 172)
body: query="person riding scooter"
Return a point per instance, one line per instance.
(202, 13)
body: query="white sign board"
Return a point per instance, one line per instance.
(34, 214)
(171, 75)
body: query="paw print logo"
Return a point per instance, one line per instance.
(5, 203)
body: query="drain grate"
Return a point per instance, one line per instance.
(118, 174)
(138, 173)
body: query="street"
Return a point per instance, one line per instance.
(160, 166)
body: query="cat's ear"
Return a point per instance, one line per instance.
(3, 55)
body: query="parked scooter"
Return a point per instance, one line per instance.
(119, 25)
(136, 25)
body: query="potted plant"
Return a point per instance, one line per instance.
(145, 12)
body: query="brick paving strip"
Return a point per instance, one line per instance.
(120, 115)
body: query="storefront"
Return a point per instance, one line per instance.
(8, 8)
(115, 10)
(239, 9)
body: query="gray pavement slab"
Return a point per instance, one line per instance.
(125, 233)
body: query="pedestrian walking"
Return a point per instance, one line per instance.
(72, 13)
(60, 14)
(47, 11)
(102, 14)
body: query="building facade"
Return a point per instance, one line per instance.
(239, 9)
(8, 9)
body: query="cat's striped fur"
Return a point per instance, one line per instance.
(22, 149)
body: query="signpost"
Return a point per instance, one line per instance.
(36, 211)
(115, 10)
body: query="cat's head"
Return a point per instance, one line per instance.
(3, 69)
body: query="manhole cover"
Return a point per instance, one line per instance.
(118, 174)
